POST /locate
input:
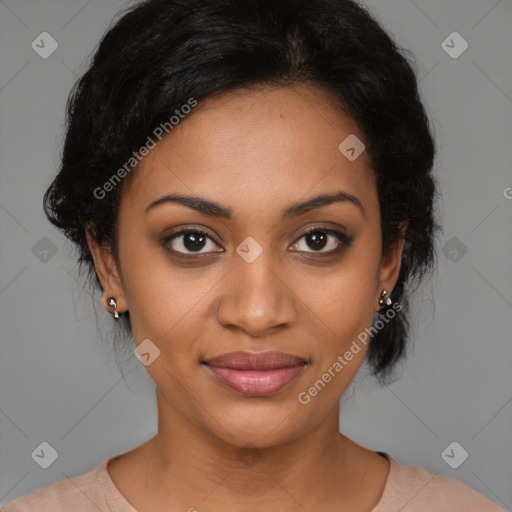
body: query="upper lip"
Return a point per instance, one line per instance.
(256, 360)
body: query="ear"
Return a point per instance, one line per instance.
(390, 266)
(108, 273)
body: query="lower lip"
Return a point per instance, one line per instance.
(256, 382)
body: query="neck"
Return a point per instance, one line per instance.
(187, 466)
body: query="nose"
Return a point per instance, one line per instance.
(257, 299)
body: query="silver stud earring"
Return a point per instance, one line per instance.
(111, 301)
(385, 300)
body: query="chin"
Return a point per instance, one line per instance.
(262, 427)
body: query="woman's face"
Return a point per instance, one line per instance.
(255, 281)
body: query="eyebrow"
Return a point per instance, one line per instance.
(216, 210)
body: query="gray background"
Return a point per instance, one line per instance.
(59, 381)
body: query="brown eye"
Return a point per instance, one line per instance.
(191, 241)
(319, 239)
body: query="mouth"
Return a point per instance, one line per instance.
(256, 373)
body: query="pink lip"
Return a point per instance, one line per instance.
(256, 373)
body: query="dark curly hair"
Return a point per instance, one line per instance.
(160, 53)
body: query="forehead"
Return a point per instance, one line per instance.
(249, 148)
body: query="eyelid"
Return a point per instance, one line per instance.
(192, 229)
(323, 227)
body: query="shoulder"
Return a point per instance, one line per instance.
(414, 489)
(82, 493)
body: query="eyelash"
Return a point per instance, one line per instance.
(345, 241)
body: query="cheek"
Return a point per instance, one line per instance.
(354, 310)
(346, 305)
(164, 311)
(161, 297)
(345, 300)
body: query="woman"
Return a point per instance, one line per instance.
(250, 183)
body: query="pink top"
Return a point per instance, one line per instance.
(408, 489)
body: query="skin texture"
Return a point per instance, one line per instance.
(255, 152)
